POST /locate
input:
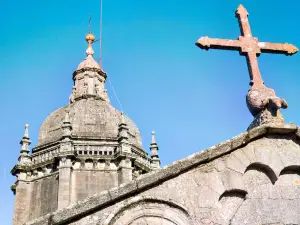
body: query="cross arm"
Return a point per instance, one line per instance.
(286, 48)
(216, 43)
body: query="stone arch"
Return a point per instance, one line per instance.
(76, 164)
(89, 164)
(148, 210)
(258, 180)
(289, 175)
(234, 193)
(294, 169)
(263, 168)
(228, 204)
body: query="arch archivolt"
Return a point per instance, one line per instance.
(143, 210)
(256, 175)
(224, 189)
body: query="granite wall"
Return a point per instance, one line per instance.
(256, 184)
(251, 179)
(87, 183)
(43, 196)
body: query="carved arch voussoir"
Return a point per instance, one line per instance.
(267, 170)
(289, 175)
(127, 205)
(292, 169)
(234, 193)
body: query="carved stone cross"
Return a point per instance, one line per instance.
(259, 96)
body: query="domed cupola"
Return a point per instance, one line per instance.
(89, 107)
(91, 114)
(83, 148)
(91, 133)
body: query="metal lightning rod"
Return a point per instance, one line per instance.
(100, 33)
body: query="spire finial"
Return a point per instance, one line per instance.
(122, 118)
(123, 135)
(90, 38)
(123, 129)
(155, 161)
(153, 141)
(24, 157)
(66, 125)
(67, 116)
(26, 134)
(25, 141)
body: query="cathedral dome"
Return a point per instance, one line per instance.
(90, 113)
(90, 119)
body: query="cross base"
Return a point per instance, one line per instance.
(268, 116)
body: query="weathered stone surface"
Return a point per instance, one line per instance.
(90, 118)
(220, 185)
(84, 148)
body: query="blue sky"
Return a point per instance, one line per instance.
(192, 98)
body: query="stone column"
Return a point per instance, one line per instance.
(125, 171)
(64, 183)
(22, 203)
(65, 164)
(125, 168)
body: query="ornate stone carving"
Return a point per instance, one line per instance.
(72, 96)
(152, 211)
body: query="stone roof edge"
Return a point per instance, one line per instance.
(94, 202)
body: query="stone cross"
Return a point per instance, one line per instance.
(259, 96)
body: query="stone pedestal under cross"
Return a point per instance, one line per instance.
(259, 96)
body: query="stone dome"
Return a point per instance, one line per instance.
(89, 62)
(90, 118)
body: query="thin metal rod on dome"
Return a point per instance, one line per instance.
(100, 33)
(100, 60)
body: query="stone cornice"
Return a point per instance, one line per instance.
(44, 176)
(89, 69)
(76, 140)
(46, 146)
(150, 179)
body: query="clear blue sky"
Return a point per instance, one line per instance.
(192, 98)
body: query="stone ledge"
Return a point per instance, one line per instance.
(150, 179)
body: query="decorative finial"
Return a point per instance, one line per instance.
(153, 141)
(67, 116)
(24, 157)
(123, 135)
(66, 125)
(155, 161)
(90, 38)
(122, 118)
(26, 134)
(123, 129)
(25, 141)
